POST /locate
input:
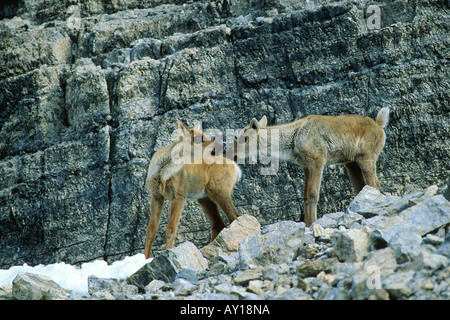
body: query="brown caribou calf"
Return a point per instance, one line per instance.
(314, 141)
(176, 174)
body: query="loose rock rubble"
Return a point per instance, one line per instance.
(382, 247)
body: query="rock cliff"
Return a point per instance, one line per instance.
(90, 88)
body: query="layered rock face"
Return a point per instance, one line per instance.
(90, 89)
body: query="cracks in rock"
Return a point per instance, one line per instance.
(296, 184)
(63, 84)
(105, 246)
(236, 70)
(163, 83)
(111, 83)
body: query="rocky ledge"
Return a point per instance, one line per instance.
(382, 247)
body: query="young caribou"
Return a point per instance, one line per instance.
(316, 140)
(175, 172)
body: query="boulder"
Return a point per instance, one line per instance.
(349, 220)
(352, 244)
(313, 268)
(154, 286)
(367, 282)
(421, 218)
(371, 202)
(29, 286)
(6, 292)
(183, 287)
(229, 239)
(398, 285)
(276, 243)
(168, 264)
(248, 275)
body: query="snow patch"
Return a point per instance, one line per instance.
(75, 278)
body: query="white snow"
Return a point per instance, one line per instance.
(75, 278)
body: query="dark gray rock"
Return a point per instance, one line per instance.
(370, 202)
(230, 238)
(351, 245)
(404, 231)
(168, 264)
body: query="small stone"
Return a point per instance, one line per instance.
(427, 284)
(292, 294)
(188, 274)
(285, 280)
(318, 230)
(269, 273)
(154, 286)
(245, 277)
(328, 220)
(281, 289)
(313, 268)
(102, 295)
(230, 262)
(434, 261)
(397, 284)
(182, 287)
(6, 292)
(431, 190)
(113, 286)
(276, 243)
(239, 291)
(251, 296)
(168, 264)
(255, 286)
(348, 219)
(224, 288)
(303, 284)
